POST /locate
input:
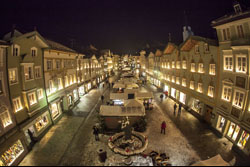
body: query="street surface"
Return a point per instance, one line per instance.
(71, 141)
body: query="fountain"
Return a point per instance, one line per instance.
(128, 142)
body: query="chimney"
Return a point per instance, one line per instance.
(13, 30)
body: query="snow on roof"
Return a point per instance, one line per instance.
(118, 96)
(141, 95)
(57, 46)
(9, 35)
(133, 103)
(130, 91)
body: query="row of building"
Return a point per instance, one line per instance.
(211, 78)
(39, 80)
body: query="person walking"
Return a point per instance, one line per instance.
(102, 97)
(179, 110)
(161, 96)
(175, 106)
(163, 127)
(96, 133)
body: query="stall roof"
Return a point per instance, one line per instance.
(130, 91)
(118, 111)
(118, 96)
(132, 85)
(118, 85)
(144, 95)
(133, 103)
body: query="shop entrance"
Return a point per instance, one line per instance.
(221, 123)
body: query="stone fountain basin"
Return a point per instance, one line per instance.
(121, 151)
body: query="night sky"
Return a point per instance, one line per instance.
(124, 26)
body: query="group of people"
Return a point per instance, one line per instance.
(179, 108)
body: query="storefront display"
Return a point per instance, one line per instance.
(173, 92)
(75, 95)
(118, 102)
(221, 123)
(166, 88)
(233, 131)
(9, 157)
(243, 140)
(70, 100)
(196, 106)
(89, 86)
(82, 90)
(182, 98)
(41, 123)
(54, 110)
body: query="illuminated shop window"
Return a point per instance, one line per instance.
(10, 155)
(41, 123)
(54, 110)
(243, 140)
(221, 123)
(233, 131)
(66, 81)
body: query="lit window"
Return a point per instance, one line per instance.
(168, 78)
(40, 94)
(60, 84)
(192, 67)
(238, 99)
(228, 63)
(66, 81)
(178, 80)
(58, 64)
(173, 64)
(51, 86)
(28, 72)
(243, 140)
(184, 82)
(241, 65)
(184, 64)
(32, 98)
(199, 87)
(13, 77)
(212, 69)
(240, 31)
(173, 79)
(17, 104)
(6, 119)
(54, 110)
(192, 85)
(201, 68)
(226, 94)
(168, 65)
(211, 91)
(178, 64)
(70, 80)
(206, 47)
(38, 73)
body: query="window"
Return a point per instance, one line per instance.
(199, 87)
(228, 63)
(17, 104)
(13, 76)
(38, 73)
(192, 67)
(206, 47)
(168, 78)
(233, 131)
(32, 98)
(240, 31)
(54, 111)
(28, 72)
(201, 68)
(70, 80)
(58, 64)
(197, 50)
(226, 94)
(168, 65)
(238, 99)
(178, 80)
(74, 78)
(184, 64)
(49, 65)
(51, 86)
(66, 81)
(210, 91)
(16, 50)
(241, 64)
(173, 79)
(40, 94)
(33, 52)
(243, 140)
(178, 64)
(184, 82)
(226, 34)
(173, 64)
(6, 119)
(60, 84)
(212, 69)
(192, 85)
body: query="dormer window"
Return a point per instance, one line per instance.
(237, 8)
(33, 52)
(206, 47)
(16, 50)
(197, 50)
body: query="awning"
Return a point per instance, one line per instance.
(144, 95)
(118, 111)
(214, 161)
(118, 96)
(131, 91)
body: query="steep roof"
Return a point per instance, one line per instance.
(15, 33)
(57, 46)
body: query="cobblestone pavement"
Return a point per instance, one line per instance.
(72, 143)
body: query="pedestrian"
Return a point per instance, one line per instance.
(161, 96)
(96, 133)
(179, 110)
(102, 97)
(163, 127)
(175, 106)
(103, 85)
